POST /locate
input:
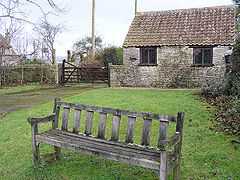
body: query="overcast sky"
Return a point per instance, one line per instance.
(113, 18)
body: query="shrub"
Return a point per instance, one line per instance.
(213, 88)
(232, 87)
(228, 116)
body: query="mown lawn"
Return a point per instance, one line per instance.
(206, 154)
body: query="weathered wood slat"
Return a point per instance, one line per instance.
(115, 127)
(65, 117)
(56, 110)
(102, 125)
(82, 141)
(162, 139)
(104, 142)
(178, 147)
(56, 118)
(145, 115)
(111, 156)
(146, 132)
(89, 123)
(130, 129)
(55, 104)
(39, 120)
(163, 166)
(77, 119)
(35, 145)
(175, 139)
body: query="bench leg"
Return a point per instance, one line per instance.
(163, 166)
(57, 152)
(36, 155)
(176, 172)
(35, 145)
(177, 169)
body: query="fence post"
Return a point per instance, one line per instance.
(42, 73)
(68, 56)
(1, 68)
(109, 74)
(22, 74)
(63, 73)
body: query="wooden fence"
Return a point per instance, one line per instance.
(91, 73)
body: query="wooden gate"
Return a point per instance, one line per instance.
(84, 74)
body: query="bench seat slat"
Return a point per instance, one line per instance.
(113, 148)
(80, 143)
(108, 144)
(105, 142)
(96, 146)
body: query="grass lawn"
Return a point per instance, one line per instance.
(206, 154)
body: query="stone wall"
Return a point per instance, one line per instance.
(174, 70)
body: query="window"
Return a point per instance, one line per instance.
(148, 56)
(228, 59)
(203, 56)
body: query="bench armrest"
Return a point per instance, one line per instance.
(39, 120)
(175, 139)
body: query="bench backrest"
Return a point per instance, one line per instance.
(117, 114)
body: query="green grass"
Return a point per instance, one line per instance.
(206, 154)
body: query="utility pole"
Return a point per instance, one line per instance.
(93, 30)
(1, 62)
(136, 6)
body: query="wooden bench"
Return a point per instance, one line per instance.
(165, 158)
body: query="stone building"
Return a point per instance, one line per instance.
(176, 48)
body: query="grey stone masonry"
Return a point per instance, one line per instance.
(174, 69)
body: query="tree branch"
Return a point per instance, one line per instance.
(16, 18)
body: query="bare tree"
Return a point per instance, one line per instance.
(48, 32)
(13, 16)
(12, 9)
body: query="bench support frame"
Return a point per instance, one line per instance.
(35, 145)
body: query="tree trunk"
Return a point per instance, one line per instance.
(1, 59)
(55, 66)
(93, 30)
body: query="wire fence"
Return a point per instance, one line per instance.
(24, 74)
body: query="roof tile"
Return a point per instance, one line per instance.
(198, 26)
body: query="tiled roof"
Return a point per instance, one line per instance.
(198, 26)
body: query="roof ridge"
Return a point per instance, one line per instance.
(188, 9)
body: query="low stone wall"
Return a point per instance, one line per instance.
(174, 69)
